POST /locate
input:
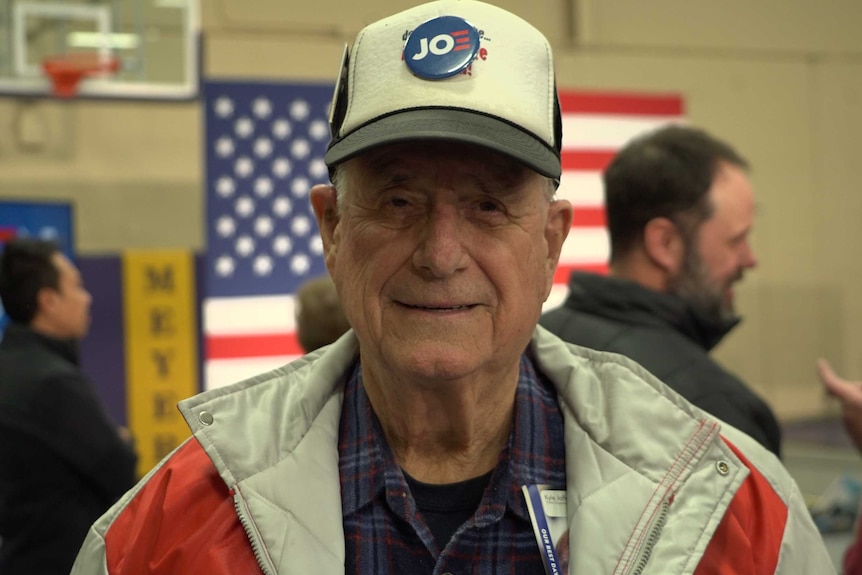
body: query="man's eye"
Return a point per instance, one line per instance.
(399, 202)
(489, 206)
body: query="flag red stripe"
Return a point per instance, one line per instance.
(589, 218)
(621, 104)
(254, 345)
(587, 160)
(561, 276)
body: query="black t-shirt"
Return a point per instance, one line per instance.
(446, 507)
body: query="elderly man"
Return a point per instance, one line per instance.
(404, 446)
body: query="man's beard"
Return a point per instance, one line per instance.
(706, 296)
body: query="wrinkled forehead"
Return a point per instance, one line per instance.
(410, 160)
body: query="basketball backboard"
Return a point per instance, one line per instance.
(155, 42)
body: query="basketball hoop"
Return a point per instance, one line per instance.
(66, 70)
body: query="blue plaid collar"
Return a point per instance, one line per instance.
(535, 453)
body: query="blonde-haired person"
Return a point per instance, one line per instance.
(320, 319)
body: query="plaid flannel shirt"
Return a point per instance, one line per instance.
(384, 532)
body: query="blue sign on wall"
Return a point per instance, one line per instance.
(44, 220)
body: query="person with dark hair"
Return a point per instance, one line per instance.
(404, 446)
(62, 461)
(680, 212)
(320, 319)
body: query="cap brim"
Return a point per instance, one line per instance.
(449, 125)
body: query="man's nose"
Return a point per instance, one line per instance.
(749, 259)
(441, 250)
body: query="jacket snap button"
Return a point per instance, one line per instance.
(205, 417)
(721, 466)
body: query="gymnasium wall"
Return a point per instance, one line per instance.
(780, 79)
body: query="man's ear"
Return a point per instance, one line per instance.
(664, 244)
(46, 299)
(324, 202)
(556, 231)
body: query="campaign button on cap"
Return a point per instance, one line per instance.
(441, 47)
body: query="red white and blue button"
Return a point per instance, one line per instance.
(441, 48)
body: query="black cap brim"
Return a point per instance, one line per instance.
(448, 124)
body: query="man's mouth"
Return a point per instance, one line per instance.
(441, 308)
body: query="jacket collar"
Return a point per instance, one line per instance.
(19, 336)
(628, 302)
(274, 438)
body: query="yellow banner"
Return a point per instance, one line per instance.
(161, 348)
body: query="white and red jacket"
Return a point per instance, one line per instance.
(655, 486)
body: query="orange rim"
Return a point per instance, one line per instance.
(67, 70)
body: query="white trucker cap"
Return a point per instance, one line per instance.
(457, 70)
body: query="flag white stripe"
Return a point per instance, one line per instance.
(221, 372)
(249, 315)
(607, 132)
(583, 189)
(588, 245)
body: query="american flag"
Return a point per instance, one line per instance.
(264, 151)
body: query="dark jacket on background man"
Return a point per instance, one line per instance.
(62, 461)
(665, 335)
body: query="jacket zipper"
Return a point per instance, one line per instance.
(695, 449)
(652, 538)
(252, 536)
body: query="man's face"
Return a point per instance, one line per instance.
(67, 309)
(442, 254)
(720, 251)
